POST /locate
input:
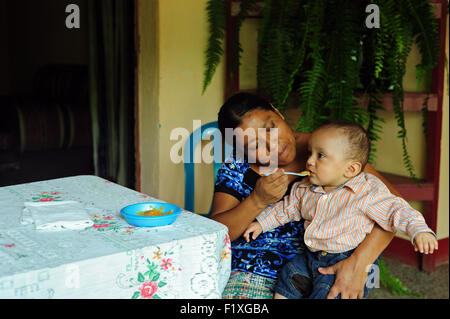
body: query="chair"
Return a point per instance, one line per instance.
(189, 166)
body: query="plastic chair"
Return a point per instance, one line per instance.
(189, 166)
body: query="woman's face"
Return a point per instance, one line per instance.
(258, 146)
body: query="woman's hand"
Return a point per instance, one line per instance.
(270, 189)
(350, 279)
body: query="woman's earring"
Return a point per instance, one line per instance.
(277, 111)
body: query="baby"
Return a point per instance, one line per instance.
(340, 205)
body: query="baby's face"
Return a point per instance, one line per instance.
(327, 161)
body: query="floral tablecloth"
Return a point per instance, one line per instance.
(112, 259)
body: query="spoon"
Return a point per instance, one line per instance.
(304, 173)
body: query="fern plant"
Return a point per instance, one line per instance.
(322, 52)
(394, 284)
(217, 20)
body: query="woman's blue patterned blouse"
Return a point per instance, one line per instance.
(266, 254)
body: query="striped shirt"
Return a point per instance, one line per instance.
(341, 219)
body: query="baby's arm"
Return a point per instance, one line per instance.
(254, 228)
(393, 213)
(281, 212)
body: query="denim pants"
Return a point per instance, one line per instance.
(300, 278)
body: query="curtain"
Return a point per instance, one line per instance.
(111, 82)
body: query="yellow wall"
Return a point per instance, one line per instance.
(174, 97)
(389, 154)
(443, 204)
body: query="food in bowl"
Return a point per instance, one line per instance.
(150, 214)
(154, 212)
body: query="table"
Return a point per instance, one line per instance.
(190, 258)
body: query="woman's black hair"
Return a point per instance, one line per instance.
(231, 113)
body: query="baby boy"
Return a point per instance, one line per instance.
(340, 205)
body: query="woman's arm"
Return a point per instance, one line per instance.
(237, 215)
(369, 169)
(234, 214)
(351, 273)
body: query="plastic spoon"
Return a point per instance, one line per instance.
(304, 173)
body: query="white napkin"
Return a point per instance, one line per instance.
(54, 216)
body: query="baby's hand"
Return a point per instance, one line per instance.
(254, 228)
(425, 243)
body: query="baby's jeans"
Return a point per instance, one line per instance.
(300, 278)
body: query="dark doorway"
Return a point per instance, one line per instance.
(47, 127)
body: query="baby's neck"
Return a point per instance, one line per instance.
(329, 188)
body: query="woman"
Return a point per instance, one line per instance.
(242, 192)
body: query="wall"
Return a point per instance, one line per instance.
(443, 204)
(147, 97)
(173, 35)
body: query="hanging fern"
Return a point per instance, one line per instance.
(217, 19)
(322, 51)
(425, 30)
(276, 49)
(343, 61)
(374, 127)
(374, 46)
(312, 89)
(399, 34)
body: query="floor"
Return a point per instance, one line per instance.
(431, 286)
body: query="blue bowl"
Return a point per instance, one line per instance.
(130, 214)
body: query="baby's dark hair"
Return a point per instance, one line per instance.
(358, 140)
(231, 113)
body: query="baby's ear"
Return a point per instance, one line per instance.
(353, 169)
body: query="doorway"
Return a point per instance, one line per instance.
(64, 109)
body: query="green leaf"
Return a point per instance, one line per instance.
(216, 11)
(136, 295)
(161, 284)
(155, 276)
(394, 284)
(155, 296)
(152, 267)
(141, 277)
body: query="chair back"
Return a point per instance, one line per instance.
(193, 141)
